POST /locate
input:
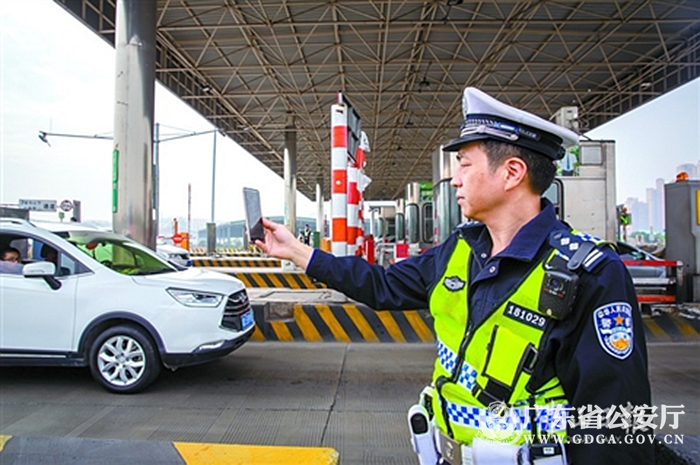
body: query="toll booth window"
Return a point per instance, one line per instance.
(400, 227)
(412, 224)
(390, 228)
(428, 222)
(379, 227)
(553, 194)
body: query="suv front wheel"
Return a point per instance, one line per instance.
(124, 360)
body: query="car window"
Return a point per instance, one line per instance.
(35, 250)
(118, 253)
(628, 253)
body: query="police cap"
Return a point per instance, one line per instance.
(487, 118)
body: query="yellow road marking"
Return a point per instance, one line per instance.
(684, 327)
(656, 330)
(361, 322)
(390, 324)
(235, 454)
(419, 326)
(281, 331)
(3, 440)
(306, 326)
(331, 321)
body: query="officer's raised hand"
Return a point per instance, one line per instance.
(281, 243)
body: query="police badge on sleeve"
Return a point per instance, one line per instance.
(613, 325)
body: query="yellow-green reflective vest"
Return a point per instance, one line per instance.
(497, 361)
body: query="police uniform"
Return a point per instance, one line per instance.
(497, 343)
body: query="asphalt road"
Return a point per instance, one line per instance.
(352, 397)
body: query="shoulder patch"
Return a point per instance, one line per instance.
(613, 326)
(567, 243)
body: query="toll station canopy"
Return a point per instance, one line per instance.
(248, 65)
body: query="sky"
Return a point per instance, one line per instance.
(57, 76)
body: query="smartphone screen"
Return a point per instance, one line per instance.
(253, 214)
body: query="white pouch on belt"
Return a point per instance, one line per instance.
(494, 453)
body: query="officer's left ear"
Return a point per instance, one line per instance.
(515, 172)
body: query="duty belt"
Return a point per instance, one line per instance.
(484, 452)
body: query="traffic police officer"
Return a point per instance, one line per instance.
(537, 325)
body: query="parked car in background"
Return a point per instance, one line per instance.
(630, 252)
(94, 298)
(174, 254)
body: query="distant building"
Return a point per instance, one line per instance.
(231, 234)
(655, 202)
(640, 214)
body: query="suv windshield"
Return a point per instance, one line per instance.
(117, 252)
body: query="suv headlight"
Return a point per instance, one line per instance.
(195, 299)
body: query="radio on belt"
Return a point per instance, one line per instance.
(422, 437)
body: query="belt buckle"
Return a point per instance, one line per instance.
(451, 450)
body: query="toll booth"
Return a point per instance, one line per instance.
(447, 211)
(584, 196)
(383, 231)
(419, 216)
(400, 221)
(682, 202)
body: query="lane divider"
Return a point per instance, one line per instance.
(359, 323)
(237, 262)
(344, 323)
(277, 279)
(88, 450)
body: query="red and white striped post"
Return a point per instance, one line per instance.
(339, 178)
(353, 202)
(355, 215)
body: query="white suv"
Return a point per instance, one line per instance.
(93, 298)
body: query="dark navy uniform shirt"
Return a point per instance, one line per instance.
(574, 351)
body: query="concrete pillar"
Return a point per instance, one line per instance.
(133, 174)
(319, 210)
(290, 176)
(211, 226)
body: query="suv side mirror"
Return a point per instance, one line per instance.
(44, 270)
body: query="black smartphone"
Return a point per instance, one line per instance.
(253, 214)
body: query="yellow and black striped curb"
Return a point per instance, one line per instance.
(344, 323)
(238, 262)
(83, 450)
(202, 252)
(671, 327)
(277, 279)
(359, 323)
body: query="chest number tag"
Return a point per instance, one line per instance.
(525, 316)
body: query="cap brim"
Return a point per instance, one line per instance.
(456, 144)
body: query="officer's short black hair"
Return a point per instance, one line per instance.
(540, 169)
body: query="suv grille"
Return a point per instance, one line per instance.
(236, 305)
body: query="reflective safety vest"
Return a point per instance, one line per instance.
(481, 369)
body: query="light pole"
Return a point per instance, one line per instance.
(44, 137)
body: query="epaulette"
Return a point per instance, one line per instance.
(579, 250)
